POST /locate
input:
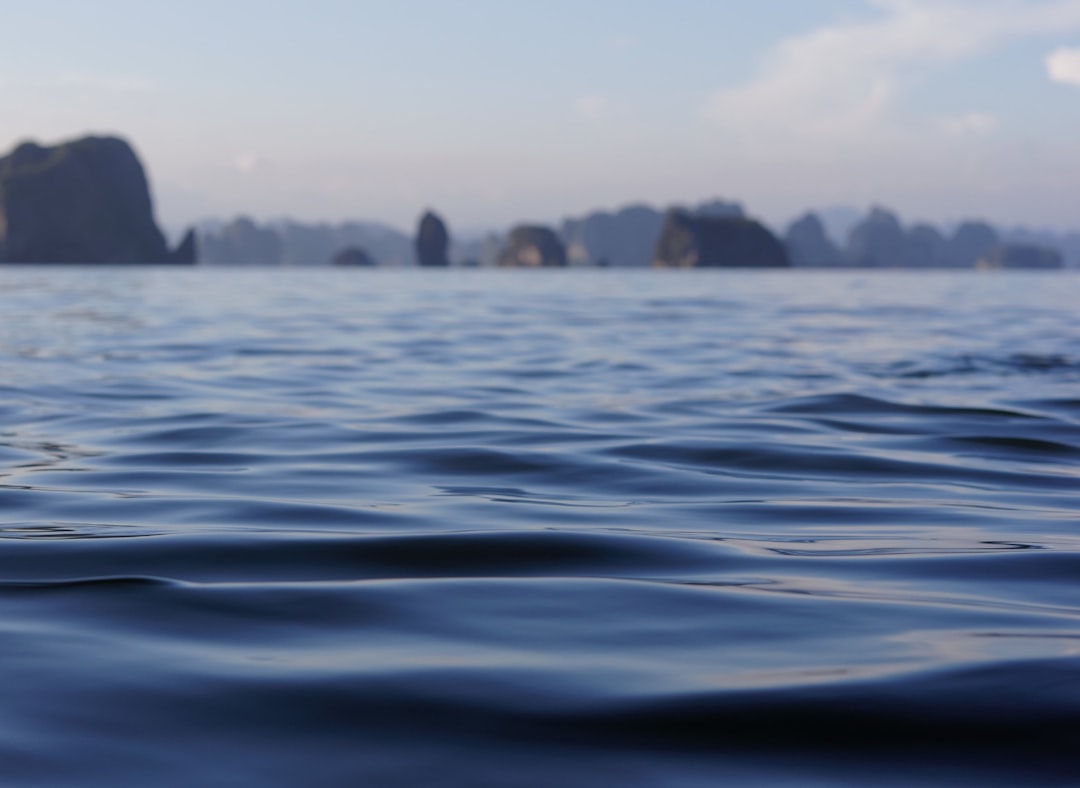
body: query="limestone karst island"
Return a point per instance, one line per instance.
(84, 201)
(89, 201)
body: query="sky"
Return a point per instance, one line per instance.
(498, 111)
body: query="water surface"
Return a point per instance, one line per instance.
(341, 528)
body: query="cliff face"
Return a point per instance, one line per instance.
(809, 246)
(353, 256)
(971, 242)
(1023, 257)
(628, 236)
(878, 241)
(624, 238)
(85, 201)
(432, 241)
(881, 241)
(532, 247)
(926, 247)
(714, 242)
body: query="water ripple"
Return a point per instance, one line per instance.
(342, 528)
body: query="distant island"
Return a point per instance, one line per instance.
(84, 201)
(714, 234)
(88, 201)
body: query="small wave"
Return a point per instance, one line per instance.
(314, 529)
(1017, 363)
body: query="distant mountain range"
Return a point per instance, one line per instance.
(88, 201)
(628, 238)
(242, 241)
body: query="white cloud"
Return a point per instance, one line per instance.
(841, 83)
(1063, 65)
(970, 124)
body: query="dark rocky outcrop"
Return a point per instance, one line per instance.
(881, 241)
(624, 238)
(531, 246)
(878, 241)
(809, 246)
(187, 251)
(432, 242)
(688, 241)
(627, 238)
(971, 242)
(85, 201)
(1023, 257)
(924, 247)
(1067, 243)
(353, 256)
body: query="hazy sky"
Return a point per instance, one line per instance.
(494, 111)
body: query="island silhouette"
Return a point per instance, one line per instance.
(88, 200)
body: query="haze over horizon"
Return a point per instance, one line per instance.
(495, 112)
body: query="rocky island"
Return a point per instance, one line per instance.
(89, 201)
(533, 246)
(432, 241)
(353, 256)
(84, 201)
(688, 241)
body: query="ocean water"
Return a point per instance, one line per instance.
(536, 529)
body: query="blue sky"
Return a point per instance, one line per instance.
(494, 111)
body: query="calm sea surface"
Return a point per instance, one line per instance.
(538, 530)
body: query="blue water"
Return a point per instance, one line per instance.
(344, 528)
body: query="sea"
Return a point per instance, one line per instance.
(538, 529)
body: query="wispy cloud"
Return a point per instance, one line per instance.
(110, 83)
(970, 124)
(844, 81)
(1063, 65)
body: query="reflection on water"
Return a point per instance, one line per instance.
(512, 529)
